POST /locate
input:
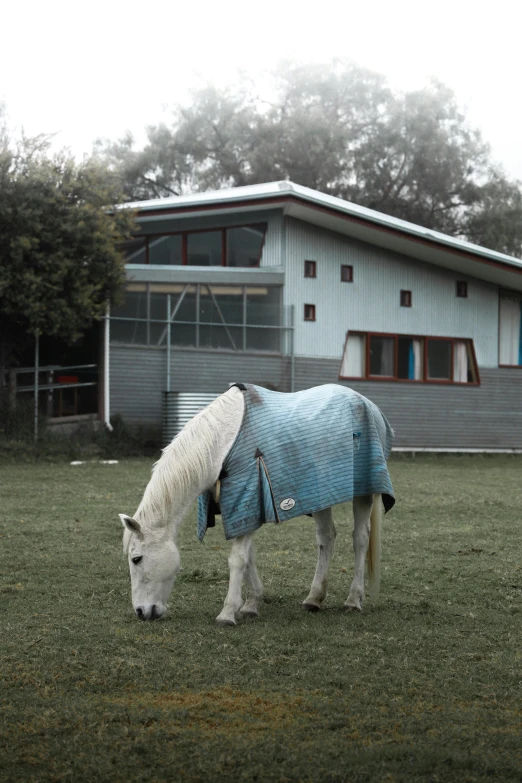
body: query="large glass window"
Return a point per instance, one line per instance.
(244, 245)
(239, 246)
(220, 307)
(202, 316)
(166, 250)
(263, 308)
(183, 314)
(135, 250)
(133, 329)
(205, 248)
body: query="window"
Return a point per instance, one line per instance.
(382, 356)
(310, 269)
(410, 358)
(309, 312)
(244, 245)
(400, 357)
(353, 364)
(230, 317)
(346, 274)
(239, 246)
(405, 298)
(135, 250)
(439, 360)
(462, 289)
(166, 250)
(205, 248)
(510, 331)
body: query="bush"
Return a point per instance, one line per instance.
(87, 441)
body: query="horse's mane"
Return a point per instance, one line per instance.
(190, 454)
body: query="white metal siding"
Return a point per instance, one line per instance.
(371, 302)
(438, 416)
(488, 416)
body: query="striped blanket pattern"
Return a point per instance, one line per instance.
(299, 453)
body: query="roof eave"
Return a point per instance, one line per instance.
(350, 219)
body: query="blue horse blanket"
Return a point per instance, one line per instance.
(299, 453)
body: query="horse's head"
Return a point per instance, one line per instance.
(153, 563)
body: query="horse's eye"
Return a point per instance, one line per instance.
(137, 560)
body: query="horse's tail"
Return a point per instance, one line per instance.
(373, 556)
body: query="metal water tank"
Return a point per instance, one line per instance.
(179, 408)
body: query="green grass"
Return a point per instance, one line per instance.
(424, 685)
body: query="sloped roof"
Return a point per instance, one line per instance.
(346, 218)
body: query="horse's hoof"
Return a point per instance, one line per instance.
(223, 623)
(248, 613)
(309, 607)
(352, 608)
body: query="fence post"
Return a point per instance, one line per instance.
(36, 372)
(169, 316)
(11, 391)
(292, 349)
(50, 406)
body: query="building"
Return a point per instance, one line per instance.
(280, 285)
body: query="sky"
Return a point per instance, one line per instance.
(88, 70)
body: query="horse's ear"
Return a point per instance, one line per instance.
(131, 524)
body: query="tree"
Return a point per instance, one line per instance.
(496, 219)
(59, 244)
(337, 128)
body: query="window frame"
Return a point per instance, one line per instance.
(313, 311)
(180, 289)
(406, 299)
(350, 267)
(184, 240)
(505, 294)
(314, 269)
(425, 379)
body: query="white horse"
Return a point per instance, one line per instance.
(190, 465)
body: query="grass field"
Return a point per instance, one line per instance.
(425, 685)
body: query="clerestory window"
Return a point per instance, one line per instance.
(238, 246)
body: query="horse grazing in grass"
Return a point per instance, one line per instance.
(257, 456)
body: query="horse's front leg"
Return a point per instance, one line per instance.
(255, 587)
(325, 534)
(362, 508)
(238, 562)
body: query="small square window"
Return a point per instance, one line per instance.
(405, 298)
(462, 289)
(310, 269)
(346, 274)
(309, 312)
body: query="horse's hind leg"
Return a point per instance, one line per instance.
(362, 508)
(238, 562)
(325, 534)
(255, 588)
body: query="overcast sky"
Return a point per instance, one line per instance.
(97, 69)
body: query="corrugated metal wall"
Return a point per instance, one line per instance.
(423, 415)
(372, 301)
(434, 416)
(139, 376)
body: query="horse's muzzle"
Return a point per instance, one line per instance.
(153, 612)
